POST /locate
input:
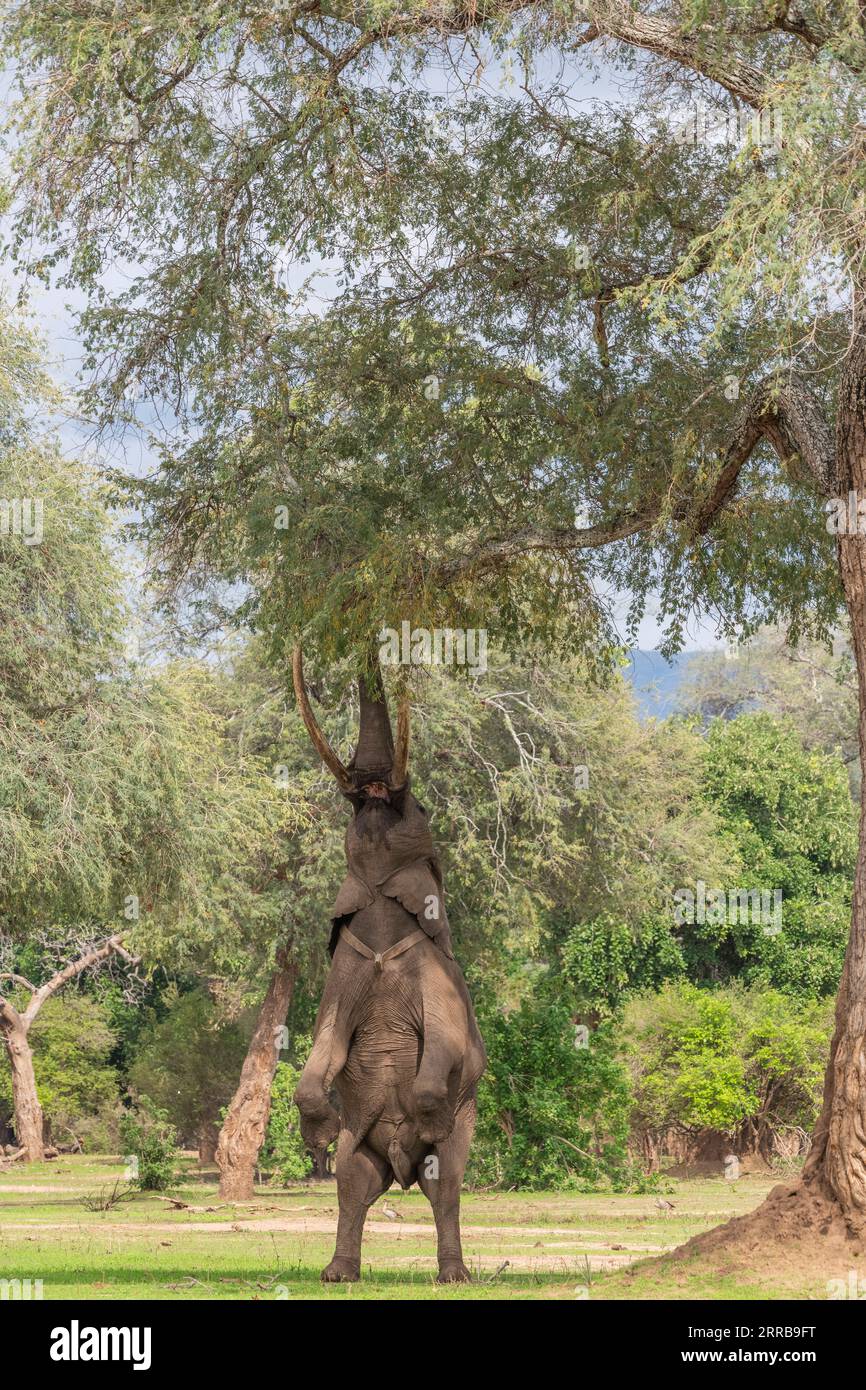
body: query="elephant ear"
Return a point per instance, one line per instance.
(418, 887)
(353, 895)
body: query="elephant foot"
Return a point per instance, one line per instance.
(320, 1123)
(341, 1271)
(453, 1272)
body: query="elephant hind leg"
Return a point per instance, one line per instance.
(362, 1177)
(440, 1176)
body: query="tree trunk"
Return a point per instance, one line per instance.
(208, 1135)
(25, 1100)
(243, 1130)
(838, 1155)
(15, 1027)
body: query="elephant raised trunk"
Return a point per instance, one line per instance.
(374, 755)
(376, 758)
(395, 1034)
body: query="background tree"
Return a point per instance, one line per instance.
(117, 804)
(746, 1065)
(232, 922)
(15, 1025)
(549, 1113)
(813, 686)
(79, 1094)
(788, 812)
(188, 1064)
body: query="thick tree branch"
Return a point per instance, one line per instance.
(91, 957)
(793, 421)
(9, 1016)
(498, 551)
(788, 416)
(619, 20)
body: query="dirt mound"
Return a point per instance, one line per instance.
(797, 1227)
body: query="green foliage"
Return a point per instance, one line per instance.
(283, 1151)
(72, 1041)
(577, 279)
(549, 1114)
(606, 960)
(725, 1057)
(188, 1063)
(150, 1140)
(788, 811)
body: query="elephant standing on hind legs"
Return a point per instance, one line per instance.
(395, 1034)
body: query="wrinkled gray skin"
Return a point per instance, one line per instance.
(399, 1044)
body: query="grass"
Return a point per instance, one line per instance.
(518, 1245)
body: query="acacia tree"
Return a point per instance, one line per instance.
(120, 804)
(229, 919)
(15, 1024)
(570, 350)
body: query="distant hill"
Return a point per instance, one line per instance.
(656, 681)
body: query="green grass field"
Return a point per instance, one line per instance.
(518, 1245)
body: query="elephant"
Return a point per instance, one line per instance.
(395, 1037)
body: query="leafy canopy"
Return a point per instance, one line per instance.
(530, 309)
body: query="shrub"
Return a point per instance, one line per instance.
(725, 1058)
(283, 1152)
(150, 1140)
(550, 1114)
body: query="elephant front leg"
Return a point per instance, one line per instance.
(320, 1123)
(362, 1177)
(440, 1177)
(434, 1091)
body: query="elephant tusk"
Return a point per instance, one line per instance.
(320, 743)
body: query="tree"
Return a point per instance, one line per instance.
(77, 1085)
(788, 812)
(666, 342)
(550, 1113)
(188, 1063)
(117, 803)
(748, 1063)
(232, 921)
(814, 687)
(15, 1024)
(246, 1122)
